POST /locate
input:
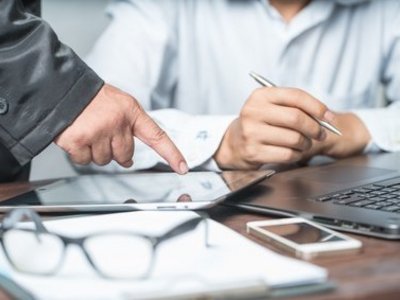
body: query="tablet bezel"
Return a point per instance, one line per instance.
(250, 177)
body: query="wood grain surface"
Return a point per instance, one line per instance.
(372, 274)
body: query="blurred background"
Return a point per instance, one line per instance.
(78, 24)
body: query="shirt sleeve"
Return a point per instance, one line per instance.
(384, 123)
(136, 49)
(43, 84)
(198, 138)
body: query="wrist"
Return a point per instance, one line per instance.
(223, 155)
(354, 140)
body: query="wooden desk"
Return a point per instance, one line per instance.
(372, 274)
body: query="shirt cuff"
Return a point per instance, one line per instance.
(201, 140)
(197, 137)
(383, 125)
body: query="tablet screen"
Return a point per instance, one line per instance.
(138, 188)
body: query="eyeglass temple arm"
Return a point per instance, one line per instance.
(183, 228)
(16, 215)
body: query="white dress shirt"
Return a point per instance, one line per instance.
(188, 62)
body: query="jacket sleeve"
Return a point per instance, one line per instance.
(43, 84)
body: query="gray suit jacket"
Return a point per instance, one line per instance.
(44, 86)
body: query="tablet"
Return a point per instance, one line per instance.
(136, 191)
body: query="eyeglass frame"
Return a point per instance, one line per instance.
(16, 215)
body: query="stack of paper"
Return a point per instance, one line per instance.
(183, 266)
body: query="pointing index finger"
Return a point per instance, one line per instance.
(152, 135)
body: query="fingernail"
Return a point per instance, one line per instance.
(183, 168)
(128, 164)
(329, 116)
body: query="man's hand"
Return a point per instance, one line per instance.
(274, 126)
(354, 140)
(104, 131)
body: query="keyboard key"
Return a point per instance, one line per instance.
(357, 197)
(391, 208)
(370, 195)
(324, 198)
(385, 203)
(394, 201)
(375, 198)
(389, 183)
(361, 190)
(361, 203)
(378, 193)
(373, 206)
(372, 187)
(348, 193)
(343, 201)
(387, 196)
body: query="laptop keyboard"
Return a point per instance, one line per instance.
(382, 195)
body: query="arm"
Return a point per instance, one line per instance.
(47, 93)
(373, 129)
(43, 85)
(384, 123)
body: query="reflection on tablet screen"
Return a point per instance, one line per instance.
(137, 188)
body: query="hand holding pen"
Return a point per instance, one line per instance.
(265, 82)
(275, 125)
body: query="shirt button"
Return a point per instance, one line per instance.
(3, 106)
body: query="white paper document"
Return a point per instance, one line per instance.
(183, 265)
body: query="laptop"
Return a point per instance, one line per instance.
(359, 195)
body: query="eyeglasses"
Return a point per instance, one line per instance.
(114, 254)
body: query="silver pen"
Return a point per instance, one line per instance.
(265, 82)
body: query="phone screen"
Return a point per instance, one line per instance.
(302, 233)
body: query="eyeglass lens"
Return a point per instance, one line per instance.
(120, 255)
(38, 253)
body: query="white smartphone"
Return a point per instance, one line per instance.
(303, 238)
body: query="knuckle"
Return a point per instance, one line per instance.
(158, 136)
(280, 92)
(245, 112)
(320, 110)
(258, 93)
(289, 93)
(298, 94)
(81, 139)
(75, 157)
(247, 132)
(249, 111)
(297, 140)
(81, 161)
(307, 144)
(250, 153)
(288, 156)
(102, 161)
(296, 118)
(124, 155)
(316, 131)
(135, 106)
(116, 119)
